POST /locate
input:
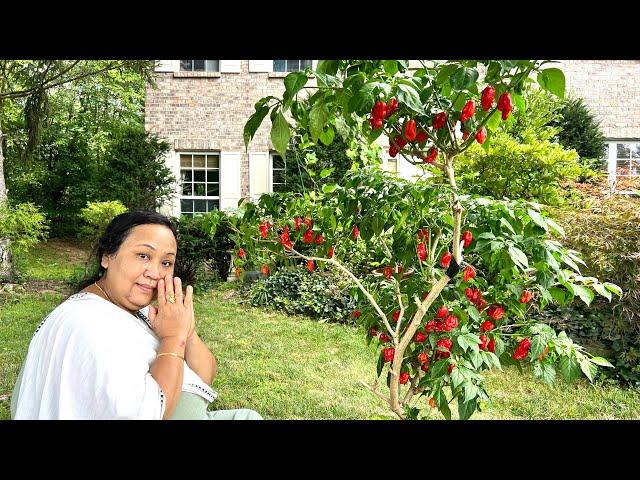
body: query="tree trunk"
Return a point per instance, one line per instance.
(7, 271)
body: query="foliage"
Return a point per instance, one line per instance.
(607, 232)
(23, 224)
(296, 291)
(580, 131)
(97, 216)
(203, 244)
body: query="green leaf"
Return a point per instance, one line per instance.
(390, 67)
(466, 409)
(445, 73)
(326, 137)
(588, 368)
(380, 364)
(362, 102)
(538, 345)
(494, 120)
(280, 134)
(441, 401)
(552, 80)
(518, 257)
(558, 294)
(612, 287)
(603, 362)
(475, 358)
(473, 313)
(554, 226)
(569, 368)
(494, 359)
(330, 67)
(326, 172)
(499, 346)
(463, 78)
(470, 391)
(545, 371)
(504, 222)
(538, 219)
(294, 82)
(253, 124)
(456, 378)
(439, 368)
(600, 288)
(584, 293)
(409, 97)
(317, 119)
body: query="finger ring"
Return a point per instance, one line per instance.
(171, 299)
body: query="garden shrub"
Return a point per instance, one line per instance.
(97, 216)
(23, 224)
(296, 291)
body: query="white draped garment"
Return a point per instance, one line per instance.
(90, 359)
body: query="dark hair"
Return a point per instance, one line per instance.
(116, 232)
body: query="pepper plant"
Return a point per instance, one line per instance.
(445, 300)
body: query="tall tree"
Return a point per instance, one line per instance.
(31, 80)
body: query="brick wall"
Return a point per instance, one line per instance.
(611, 89)
(198, 111)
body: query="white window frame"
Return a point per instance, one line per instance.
(613, 159)
(206, 197)
(286, 66)
(193, 66)
(271, 155)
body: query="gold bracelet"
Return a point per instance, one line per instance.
(170, 353)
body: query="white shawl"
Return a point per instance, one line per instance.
(89, 359)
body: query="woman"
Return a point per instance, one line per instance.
(106, 353)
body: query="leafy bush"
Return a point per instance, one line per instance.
(607, 232)
(23, 224)
(203, 244)
(296, 291)
(97, 216)
(579, 130)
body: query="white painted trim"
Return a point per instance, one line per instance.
(258, 160)
(260, 65)
(229, 66)
(230, 180)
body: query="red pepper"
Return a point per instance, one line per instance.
(422, 136)
(469, 273)
(308, 236)
(467, 237)
(410, 130)
(355, 232)
(241, 253)
(505, 105)
(387, 272)
(468, 111)
(376, 123)
(446, 259)
(488, 94)
(392, 106)
(331, 251)
(431, 155)
(526, 296)
(465, 135)
(421, 250)
(439, 120)
(481, 136)
(379, 110)
(404, 378)
(318, 239)
(399, 141)
(265, 270)
(393, 151)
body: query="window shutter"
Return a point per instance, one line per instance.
(229, 66)
(258, 174)
(229, 179)
(261, 65)
(168, 66)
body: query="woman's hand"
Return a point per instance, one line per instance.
(173, 319)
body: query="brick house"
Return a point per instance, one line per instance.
(200, 107)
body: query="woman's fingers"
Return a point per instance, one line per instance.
(188, 298)
(168, 285)
(162, 299)
(177, 286)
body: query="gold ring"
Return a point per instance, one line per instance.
(171, 299)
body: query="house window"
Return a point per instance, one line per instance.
(199, 183)
(290, 65)
(392, 165)
(278, 169)
(199, 65)
(627, 158)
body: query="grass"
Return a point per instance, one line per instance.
(54, 260)
(289, 367)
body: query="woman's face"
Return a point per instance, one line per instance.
(145, 256)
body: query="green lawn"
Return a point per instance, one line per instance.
(295, 368)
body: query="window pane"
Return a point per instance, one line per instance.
(185, 161)
(213, 161)
(186, 206)
(213, 189)
(198, 175)
(278, 176)
(293, 65)
(198, 65)
(186, 189)
(198, 161)
(304, 64)
(606, 151)
(623, 150)
(199, 189)
(212, 65)
(185, 175)
(212, 205)
(635, 150)
(213, 176)
(635, 167)
(278, 162)
(279, 187)
(199, 205)
(186, 65)
(622, 167)
(392, 165)
(279, 66)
